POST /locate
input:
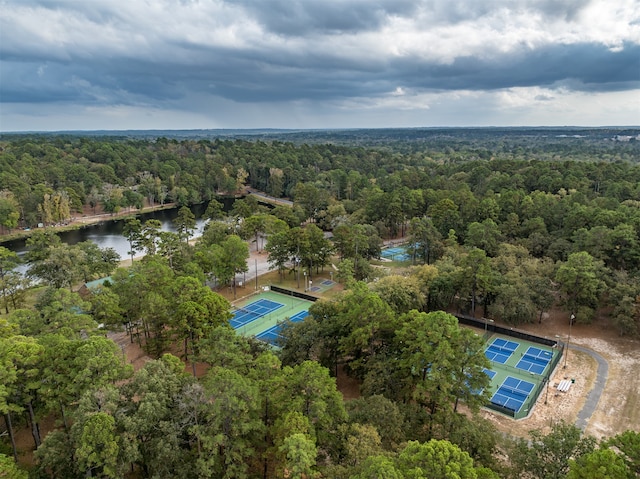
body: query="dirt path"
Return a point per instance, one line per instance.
(596, 392)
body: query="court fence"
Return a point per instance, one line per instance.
(501, 409)
(527, 405)
(539, 385)
(295, 294)
(494, 328)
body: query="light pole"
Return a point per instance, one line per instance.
(305, 281)
(568, 340)
(486, 322)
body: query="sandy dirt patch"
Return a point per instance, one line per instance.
(618, 409)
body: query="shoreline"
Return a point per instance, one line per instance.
(79, 222)
(83, 221)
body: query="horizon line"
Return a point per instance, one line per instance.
(276, 129)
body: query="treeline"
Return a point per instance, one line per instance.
(48, 179)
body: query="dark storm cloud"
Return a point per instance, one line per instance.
(89, 84)
(254, 76)
(584, 67)
(156, 54)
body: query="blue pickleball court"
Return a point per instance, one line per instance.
(535, 360)
(513, 393)
(500, 350)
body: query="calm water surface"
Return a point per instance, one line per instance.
(109, 233)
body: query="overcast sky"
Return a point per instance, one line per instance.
(182, 64)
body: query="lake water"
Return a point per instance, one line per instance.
(108, 234)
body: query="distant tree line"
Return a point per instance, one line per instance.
(48, 179)
(570, 206)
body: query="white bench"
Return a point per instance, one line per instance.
(564, 385)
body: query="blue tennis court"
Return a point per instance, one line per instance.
(253, 311)
(399, 253)
(272, 334)
(535, 360)
(328, 282)
(512, 393)
(500, 350)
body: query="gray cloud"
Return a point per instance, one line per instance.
(391, 55)
(585, 67)
(302, 18)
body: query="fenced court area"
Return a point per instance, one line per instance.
(398, 253)
(272, 335)
(262, 314)
(519, 372)
(321, 286)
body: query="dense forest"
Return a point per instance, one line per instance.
(507, 222)
(45, 179)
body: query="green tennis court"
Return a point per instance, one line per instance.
(264, 311)
(510, 364)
